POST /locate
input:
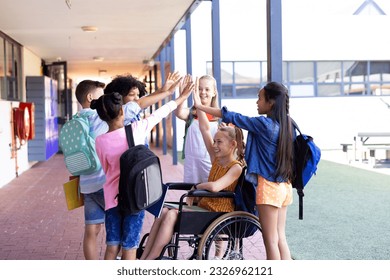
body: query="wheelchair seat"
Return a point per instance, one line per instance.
(200, 234)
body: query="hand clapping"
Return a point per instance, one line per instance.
(196, 96)
(186, 86)
(171, 82)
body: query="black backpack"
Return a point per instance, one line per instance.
(245, 200)
(140, 181)
(307, 155)
(245, 195)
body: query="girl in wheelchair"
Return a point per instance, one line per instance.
(227, 156)
(269, 156)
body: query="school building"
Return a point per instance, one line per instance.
(332, 55)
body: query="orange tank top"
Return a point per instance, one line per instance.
(219, 204)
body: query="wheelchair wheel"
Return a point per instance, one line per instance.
(233, 236)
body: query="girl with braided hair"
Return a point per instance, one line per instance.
(123, 231)
(269, 156)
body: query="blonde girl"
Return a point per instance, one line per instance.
(197, 162)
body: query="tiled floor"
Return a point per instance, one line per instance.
(35, 223)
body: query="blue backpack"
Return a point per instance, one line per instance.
(307, 155)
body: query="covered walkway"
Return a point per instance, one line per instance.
(35, 223)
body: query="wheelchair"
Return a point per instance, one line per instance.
(201, 235)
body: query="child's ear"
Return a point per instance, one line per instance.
(234, 143)
(89, 97)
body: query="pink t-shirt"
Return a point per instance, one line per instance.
(111, 145)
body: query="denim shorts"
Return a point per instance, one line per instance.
(123, 230)
(94, 208)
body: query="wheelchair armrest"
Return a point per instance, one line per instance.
(179, 186)
(204, 193)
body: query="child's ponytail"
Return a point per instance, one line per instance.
(240, 144)
(108, 106)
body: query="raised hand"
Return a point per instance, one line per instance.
(185, 90)
(196, 96)
(186, 86)
(171, 82)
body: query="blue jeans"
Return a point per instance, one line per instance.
(123, 230)
(94, 208)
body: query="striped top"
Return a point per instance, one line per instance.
(219, 204)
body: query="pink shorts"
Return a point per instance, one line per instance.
(271, 193)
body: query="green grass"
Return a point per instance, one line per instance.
(346, 216)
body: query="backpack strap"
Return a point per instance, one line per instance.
(129, 135)
(299, 189)
(242, 176)
(187, 125)
(295, 125)
(84, 114)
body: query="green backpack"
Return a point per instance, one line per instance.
(78, 146)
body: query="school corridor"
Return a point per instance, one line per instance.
(35, 222)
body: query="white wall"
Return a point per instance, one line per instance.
(9, 166)
(32, 64)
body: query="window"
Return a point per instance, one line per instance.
(227, 72)
(247, 72)
(243, 79)
(301, 72)
(249, 91)
(10, 69)
(329, 90)
(328, 71)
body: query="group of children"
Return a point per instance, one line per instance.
(215, 155)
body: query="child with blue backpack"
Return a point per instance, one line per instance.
(91, 185)
(269, 158)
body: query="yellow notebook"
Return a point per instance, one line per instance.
(74, 198)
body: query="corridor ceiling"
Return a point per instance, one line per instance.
(129, 32)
